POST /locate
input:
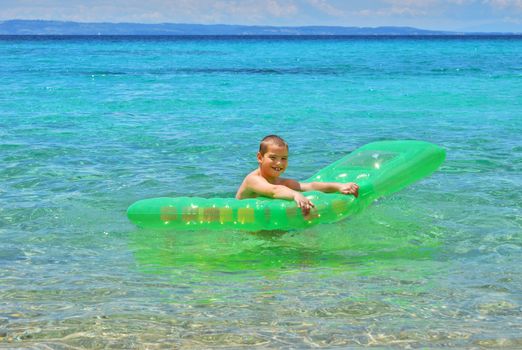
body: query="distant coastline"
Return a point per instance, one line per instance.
(44, 27)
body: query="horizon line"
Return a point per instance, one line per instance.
(435, 32)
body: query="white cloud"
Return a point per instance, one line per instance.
(195, 11)
(412, 3)
(390, 12)
(401, 8)
(281, 8)
(504, 4)
(327, 8)
(247, 11)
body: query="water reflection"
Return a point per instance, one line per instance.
(359, 244)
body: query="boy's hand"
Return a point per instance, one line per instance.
(349, 188)
(304, 203)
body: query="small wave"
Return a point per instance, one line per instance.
(199, 53)
(261, 71)
(220, 102)
(105, 73)
(457, 70)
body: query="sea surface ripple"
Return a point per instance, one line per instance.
(88, 125)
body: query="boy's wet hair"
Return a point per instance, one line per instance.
(271, 139)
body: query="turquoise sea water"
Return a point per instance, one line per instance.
(90, 125)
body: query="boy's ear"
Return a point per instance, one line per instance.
(259, 157)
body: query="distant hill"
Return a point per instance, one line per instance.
(40, 27)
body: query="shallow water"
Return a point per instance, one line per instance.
(90, 125)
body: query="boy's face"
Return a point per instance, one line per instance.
(274, 162)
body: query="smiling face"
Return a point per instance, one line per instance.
(273, 162)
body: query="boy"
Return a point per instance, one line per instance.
(266, 181)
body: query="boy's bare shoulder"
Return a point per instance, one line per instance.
(253, 176)
(244, 190)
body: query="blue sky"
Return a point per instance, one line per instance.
(458, 15)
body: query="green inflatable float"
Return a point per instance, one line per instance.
(379, 168)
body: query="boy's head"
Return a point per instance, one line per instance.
(272, 157)
(271, 140)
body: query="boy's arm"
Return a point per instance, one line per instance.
(344, 188)
(259, 185)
